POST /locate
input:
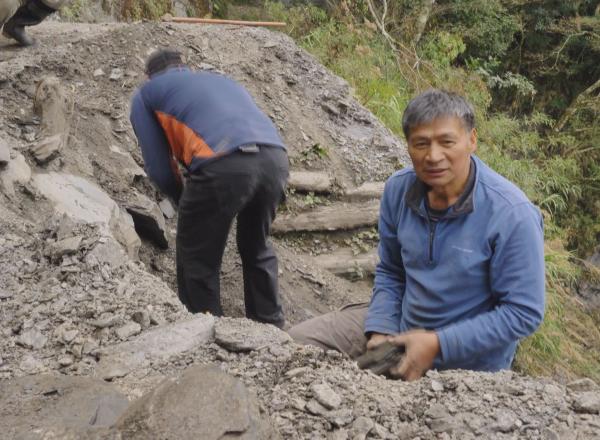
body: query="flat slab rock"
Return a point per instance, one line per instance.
(241, 335)
(45, 406)
(160, 343)
(204, 403)
(86, 202)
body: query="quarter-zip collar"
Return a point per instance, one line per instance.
(415, 196)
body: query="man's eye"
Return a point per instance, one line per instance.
(448, 143)
(420, 145)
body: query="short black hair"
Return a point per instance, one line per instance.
(436, 103)
(162, 59)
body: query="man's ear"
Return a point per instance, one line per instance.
(473, 140)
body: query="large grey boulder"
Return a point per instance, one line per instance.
(158, 344)
(204, 403)
(85, 202)
(148, 219)
(47, 407)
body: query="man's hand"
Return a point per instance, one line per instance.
(421, 347)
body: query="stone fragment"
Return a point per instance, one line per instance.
(330, 109)
(437, 386)
(69, 335)
(206, 66)
(361, 427)
(37, 407)
(338, 434)
(4, 153)
(245, 335)
(108, 252)
(158, 344)
(171, 410)
(438, 419)
(90, 346)
(587, 402)
(344, 263)
(340, 417)
(167, 208)
(295, 372)
(65, 246)
(32, 339)
(98, 72)
(128, 330)
(47, 149)
(116, 74)
(316, 408)
(16, 172)
(5, 294)
(142, 317)
(148, 220)
(65, 227)
(506, 421)
(550, 434)
(584, 384)
(105, 321)
(326, 396)
(380, 431)
(65, 361)
(31, 364)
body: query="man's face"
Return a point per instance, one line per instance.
(440, 152)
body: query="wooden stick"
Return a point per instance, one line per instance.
(219, 21)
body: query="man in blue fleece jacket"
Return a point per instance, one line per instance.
(236, 166)
(461, 273)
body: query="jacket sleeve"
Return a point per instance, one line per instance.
(517, 282)
(159, 163)
(385, 309)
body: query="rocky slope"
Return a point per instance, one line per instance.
(88, 308)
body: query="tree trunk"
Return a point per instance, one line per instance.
(426, 7)
(574, 106)
(337, 216)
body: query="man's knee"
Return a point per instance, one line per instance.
(342, 330)
(8, 9)
(299, 333)
(54, 4)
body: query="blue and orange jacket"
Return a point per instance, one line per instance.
(194, 118)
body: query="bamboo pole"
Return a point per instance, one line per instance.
(220, 21)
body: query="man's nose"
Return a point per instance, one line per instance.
(434, 154)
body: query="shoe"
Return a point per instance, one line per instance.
(30, 14)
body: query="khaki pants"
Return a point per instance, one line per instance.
(8, 9)
(342, 330)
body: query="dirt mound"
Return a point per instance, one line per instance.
(74, 294)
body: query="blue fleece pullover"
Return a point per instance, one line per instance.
(477, 279)
(194, 118)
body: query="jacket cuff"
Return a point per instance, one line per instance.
(385, 326)
(449, 345)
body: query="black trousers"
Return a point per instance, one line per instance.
(251, 186)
